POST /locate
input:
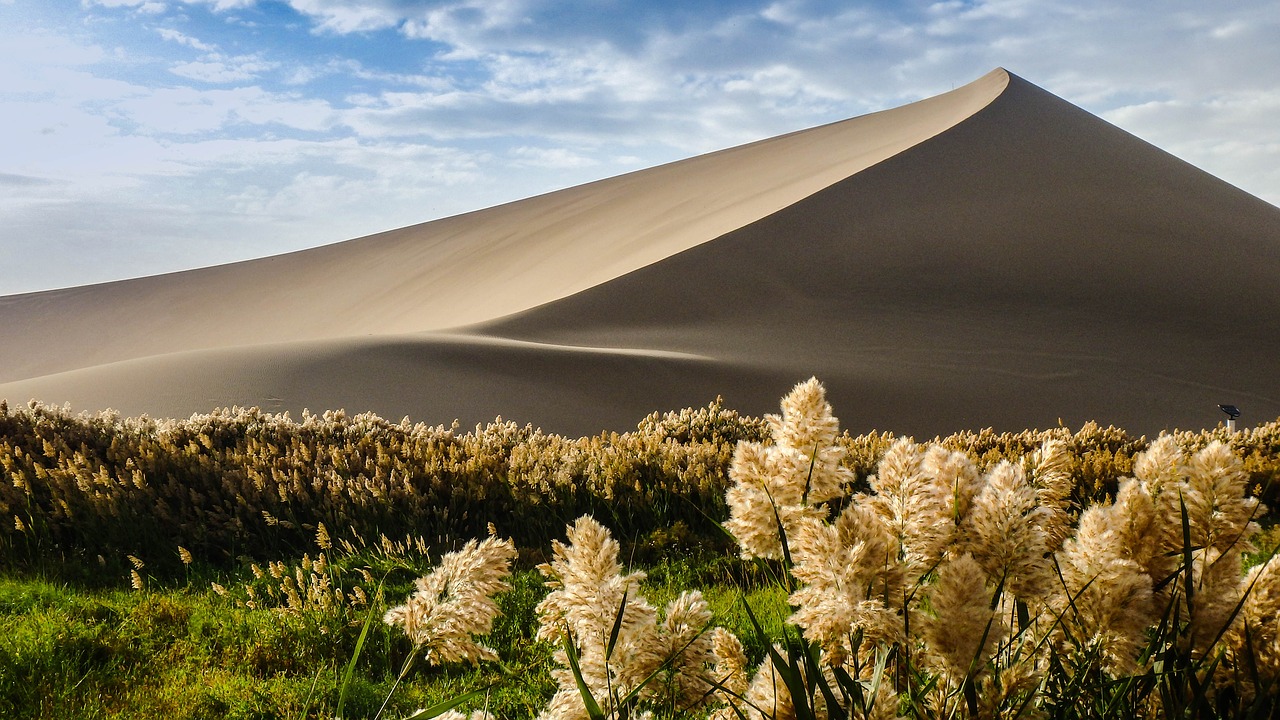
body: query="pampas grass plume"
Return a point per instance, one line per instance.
(781, 483)
(961, 616)
(588, 588)
(913, 505)
(1108, 600)
(848, 569)
(1050, 474)
(1259, 619)
(1004, 534)
(454, 602)
(669, 662)
(957, 477)
(1221, 513)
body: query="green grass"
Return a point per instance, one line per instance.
(726, 582)
(178, 650)
(190, 654)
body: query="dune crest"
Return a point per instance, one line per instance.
(993, 256)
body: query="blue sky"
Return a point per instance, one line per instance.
(144, 136)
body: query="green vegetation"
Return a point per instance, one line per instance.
(184, 651)
(223, 566)
(187, 653)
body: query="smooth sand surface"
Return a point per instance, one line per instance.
(990, 257)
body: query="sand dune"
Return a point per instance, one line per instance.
(468, 268)
(992, 256)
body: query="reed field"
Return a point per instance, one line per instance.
(707, 564)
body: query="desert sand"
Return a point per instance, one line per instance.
(993, 256)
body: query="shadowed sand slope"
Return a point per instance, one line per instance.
(1030, 264)
(993, 256)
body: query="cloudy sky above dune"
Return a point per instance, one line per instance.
(143, 136)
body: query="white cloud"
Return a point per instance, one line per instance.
(222, 71)
(184, 39)
(344, 17)
(1234, 28)
(224, 5)
(187, 111)
(139, 7)
(1233, 135)
(551, 158)
(117, 3)
(27, 54)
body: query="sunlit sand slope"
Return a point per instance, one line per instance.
(993, 256)
(467, 268)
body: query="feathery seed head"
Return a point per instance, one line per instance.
(453, 603)
(669, 661)
(1050, 475)
(1259, 619)
(806, 421)
(730, 668)
(958, 477)
(913, 506)
(850, 571)
(685, 645)
(767, 491)
(588, 591)
(1220, 513)
(807, 432)
(1108, 600)
(1216, 576)
(322, 537)
(962, 616)
(767, 696)
(776, 486)
(1004, 533)
(1161, 466)
(1141, 531)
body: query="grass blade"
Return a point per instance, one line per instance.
(1187, 567)
(617, 627)
(588, 700)
(355, 654)
(306, 704)
(445, 706)
(783, 667)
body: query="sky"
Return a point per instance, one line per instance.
(148, 136)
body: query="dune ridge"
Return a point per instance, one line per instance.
(991, 257)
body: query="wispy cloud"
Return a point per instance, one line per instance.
(146, 7)
(183, 39)
(20, 181)
(550, 158)
(221, 70)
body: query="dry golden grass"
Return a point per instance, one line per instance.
(243, 483)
